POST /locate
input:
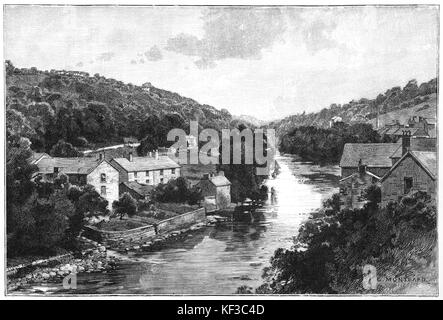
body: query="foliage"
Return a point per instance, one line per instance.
(326, 145)
(64, 149)
(177, 190)
(125, 205)
(341, 243)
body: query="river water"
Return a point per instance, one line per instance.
(218, 260)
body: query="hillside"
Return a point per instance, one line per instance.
(412, 97)
(91, 111)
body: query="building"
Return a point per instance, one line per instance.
(335, 119)
(146, 170)
(353, 187)
(218, 187)
(81, 171)
(414, 171)
(37, 156)
(375, 156)
(136, 190)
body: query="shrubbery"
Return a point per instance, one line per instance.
(399, 241)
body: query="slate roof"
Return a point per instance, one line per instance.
(357, 174)
(141, 189)
(418, 144)
(146, 163)
(427, 160)
(371, 154)
(36, 156)
(67, 165)
(220, 181)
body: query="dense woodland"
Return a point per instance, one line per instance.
(322, 145)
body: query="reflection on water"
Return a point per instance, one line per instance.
(217, 260)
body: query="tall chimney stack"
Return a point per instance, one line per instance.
(405, 141)
(100, 156)
(130, 157)
(156, 154)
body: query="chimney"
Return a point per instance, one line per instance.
(100, 156)
(156, 154)
(361, 167)
(221, 173)
(150, 154)
(405, 141)
(130, 158)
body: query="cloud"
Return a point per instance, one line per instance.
(105, 56)
(79, 64)
(240, 33)
(154, 54)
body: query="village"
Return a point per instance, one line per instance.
(407, 165)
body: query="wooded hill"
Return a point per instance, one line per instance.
(92, 111)
(365, 110)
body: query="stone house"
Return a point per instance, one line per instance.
(216, 186)
(81, 171)
(353, 187)
(146, 170)
(414, 171)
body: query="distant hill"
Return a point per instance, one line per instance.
(247, 119)
(93, 111)
(411, 98)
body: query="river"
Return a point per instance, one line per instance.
(218, 260)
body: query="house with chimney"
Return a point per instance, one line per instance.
(366, 164)
(81, 171)
(216, 188)
(146, 170)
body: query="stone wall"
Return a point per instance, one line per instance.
(393, 187)
(141, 233)
(182, 221)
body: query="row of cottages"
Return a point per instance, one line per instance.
(368, 164)
(111, 178)
(418, 127)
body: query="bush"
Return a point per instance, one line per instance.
(125, 205)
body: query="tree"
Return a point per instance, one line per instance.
(125, 205)
(64, 149)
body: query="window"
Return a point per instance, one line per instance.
(147, 173)
(147, 181)
(408, 184)
(55, 169)
(103, 177)
(135, 175)
(161, 180)
(161, 172)
(173, 171)
(103, 191)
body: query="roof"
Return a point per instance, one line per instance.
(371, 154)
(37, 156)
(426, 159)
(431, 120)
(68, 165)
(141, 189)
(418, 144)
(357, 174)
(220, 181)
(146, 163)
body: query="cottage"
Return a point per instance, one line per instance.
(80, 171)
(218, 187)
(353, 187)
(146, 170)
(414, 171)
(375, 156)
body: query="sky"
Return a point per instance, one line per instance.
(267, 62)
